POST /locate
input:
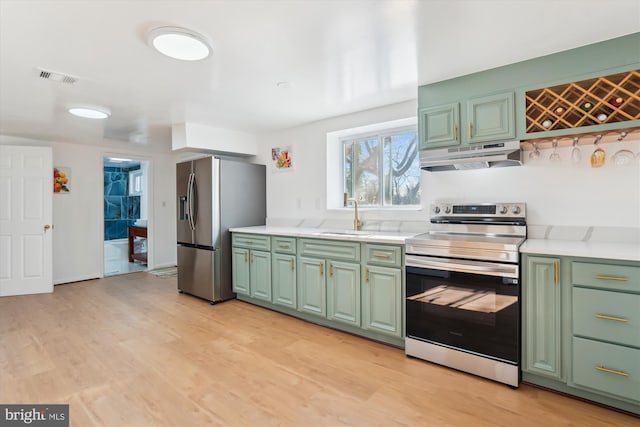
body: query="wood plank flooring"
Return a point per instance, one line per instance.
(130, 351)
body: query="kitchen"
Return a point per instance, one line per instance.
(584, 199)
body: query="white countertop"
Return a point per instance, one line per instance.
(367, 236)
(590, 249)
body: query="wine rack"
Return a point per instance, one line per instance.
(608, 99)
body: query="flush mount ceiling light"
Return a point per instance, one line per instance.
(89, 112)
(180, 43)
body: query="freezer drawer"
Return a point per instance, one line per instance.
(196, 272)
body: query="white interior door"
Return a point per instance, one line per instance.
(25, 220)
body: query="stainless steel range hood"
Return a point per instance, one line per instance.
(478, 156)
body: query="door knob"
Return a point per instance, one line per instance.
(47, 226)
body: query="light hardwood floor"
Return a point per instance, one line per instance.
(130, 351)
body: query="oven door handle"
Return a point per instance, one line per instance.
(463, 266)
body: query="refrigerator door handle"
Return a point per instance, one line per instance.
(190, 198)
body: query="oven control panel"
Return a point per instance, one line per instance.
(478, 210)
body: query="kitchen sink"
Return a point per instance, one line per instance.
(345, 233)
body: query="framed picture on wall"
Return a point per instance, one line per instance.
(61, 180)
(281, 159)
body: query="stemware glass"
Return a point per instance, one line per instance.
(623, 157)
(555, 157)
(535, 154)
(576, 154)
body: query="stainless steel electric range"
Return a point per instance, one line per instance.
(463, 289)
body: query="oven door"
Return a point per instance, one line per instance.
(467, 305)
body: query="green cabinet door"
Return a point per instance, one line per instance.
(382, 300)
(541, 316)
(343, 292)
(312, 296)
(491, 118)
(283, 279)
(240, 270)
(260, 274)
(439, 126)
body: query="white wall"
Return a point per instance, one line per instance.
(564, 194)
(78, 216)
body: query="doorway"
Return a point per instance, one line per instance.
(125, 215)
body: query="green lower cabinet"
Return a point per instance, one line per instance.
(240, 271)
(283, 279)
(343, 292)
(260, 274)
(312, 297)
(382, 300)
(541, 317)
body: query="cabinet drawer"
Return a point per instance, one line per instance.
(609, 368)
(608, 316)
(251, 241)
(283, 245)
(333, 249)
(606, 276)
(385, 255)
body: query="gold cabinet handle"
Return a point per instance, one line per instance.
(616, 319)
(330, 270)
(366, 275)
(245, 257)
(612, 371)
(619, 279)
(251, 257)
(470, 126)
(381, 256)
(321, 269)
(455, 133)
(291, 263)
(557, 272)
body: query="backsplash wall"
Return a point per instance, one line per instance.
(556, 194)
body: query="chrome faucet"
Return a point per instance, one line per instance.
(357, 224)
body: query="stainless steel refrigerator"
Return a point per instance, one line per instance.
(213, 195)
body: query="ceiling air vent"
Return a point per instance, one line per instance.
(56, 76)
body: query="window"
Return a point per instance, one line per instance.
(135, 183)
(382, 170)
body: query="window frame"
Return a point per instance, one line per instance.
(380, 136)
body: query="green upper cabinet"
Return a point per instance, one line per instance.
(541, 316)
(491, 118)
(495, 102)
(439, 126)
(486, 119)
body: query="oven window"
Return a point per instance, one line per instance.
(471, 312)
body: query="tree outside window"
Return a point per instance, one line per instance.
(383, 170)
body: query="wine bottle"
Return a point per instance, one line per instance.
(586, 106)
(616, 101)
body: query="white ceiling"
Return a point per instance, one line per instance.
(339, 56)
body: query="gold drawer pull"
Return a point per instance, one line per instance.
(557, 264)
(619, 279)
(455, 133)
(283, 246)
(251, 257)
(612, 371)
(321, 269)
(381, 256)
(249, 242)
(245, 257)
(291, 262)
(617, 319)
